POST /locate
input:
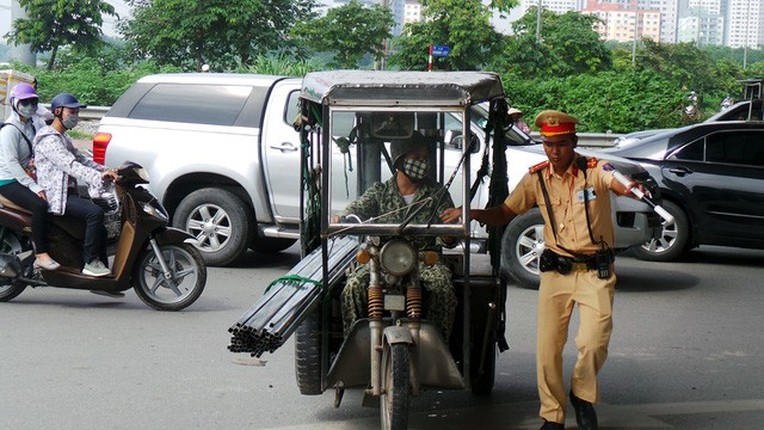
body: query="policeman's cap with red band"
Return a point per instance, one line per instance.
(553, 123)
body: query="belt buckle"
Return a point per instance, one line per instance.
(579, 267)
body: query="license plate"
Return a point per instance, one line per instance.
(395, 302)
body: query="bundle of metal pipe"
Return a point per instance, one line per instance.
(267, 324)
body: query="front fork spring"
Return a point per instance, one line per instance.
(376, 303)
(414, 303)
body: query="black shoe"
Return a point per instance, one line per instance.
(112, 294)
(586, 418)
(549, 425)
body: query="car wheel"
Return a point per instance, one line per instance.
(672, 241)
(521, 250)
(220, 221)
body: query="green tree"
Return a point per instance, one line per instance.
(51, 25)
(462, 25)
(568, 46)
(349, 31)
(221, 33)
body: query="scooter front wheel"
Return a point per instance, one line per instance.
(186, 283)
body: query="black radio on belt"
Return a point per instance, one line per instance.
(602, 260)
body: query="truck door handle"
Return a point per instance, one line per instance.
(285, 147)
(680, 171)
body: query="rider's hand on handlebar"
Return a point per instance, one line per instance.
(451, 215)
(109, 175)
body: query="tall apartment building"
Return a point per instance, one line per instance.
(623, 23)
(668, 10)
(412, 11)
(701, 22)
(745, 23)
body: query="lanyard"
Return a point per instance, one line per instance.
(581, 161)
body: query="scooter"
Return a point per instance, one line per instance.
(159, 262)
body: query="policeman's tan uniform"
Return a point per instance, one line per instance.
(559, 293)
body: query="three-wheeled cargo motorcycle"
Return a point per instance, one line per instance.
(348, 121)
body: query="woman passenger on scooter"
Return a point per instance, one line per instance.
(16, 153)
(59, 165)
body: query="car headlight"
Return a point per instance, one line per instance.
(397, 257)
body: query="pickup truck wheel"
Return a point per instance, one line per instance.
(521, 250)
(219, 220)
(672, 241)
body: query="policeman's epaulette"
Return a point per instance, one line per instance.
(539, 166)
(591, 162)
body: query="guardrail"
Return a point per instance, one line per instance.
(93, 112)
(603, 140)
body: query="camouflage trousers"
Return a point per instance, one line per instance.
(440, 299)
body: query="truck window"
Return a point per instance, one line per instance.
(194, 103)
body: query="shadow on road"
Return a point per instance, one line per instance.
(639, 280)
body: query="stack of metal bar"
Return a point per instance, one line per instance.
(267, 324)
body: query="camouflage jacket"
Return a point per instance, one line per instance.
(384, 198)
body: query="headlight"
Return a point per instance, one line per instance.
(142, 173)
(154, 211)
(398, 257)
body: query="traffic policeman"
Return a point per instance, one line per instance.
(576, 267)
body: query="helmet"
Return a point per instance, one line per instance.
(65, 100)
(400, 147)
(23, 91)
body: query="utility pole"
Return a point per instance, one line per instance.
(382, 64)
(24, 52)
(745, 42)
(636, 27)
(538, 24)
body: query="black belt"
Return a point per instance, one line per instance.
(564, 265)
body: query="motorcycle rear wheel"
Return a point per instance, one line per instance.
(189, 276)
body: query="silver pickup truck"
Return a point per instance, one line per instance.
(223, 157)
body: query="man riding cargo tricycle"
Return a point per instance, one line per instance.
(385, 298)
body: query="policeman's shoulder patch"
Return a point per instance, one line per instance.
(591, 162)
(608, 167)
(538, 166)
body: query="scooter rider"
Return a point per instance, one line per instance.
(16, 153)
(59, 164)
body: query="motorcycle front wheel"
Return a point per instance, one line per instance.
(394, 402)
(185, 285)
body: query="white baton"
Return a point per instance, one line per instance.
(637, 192)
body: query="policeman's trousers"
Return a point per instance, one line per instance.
(558, 295)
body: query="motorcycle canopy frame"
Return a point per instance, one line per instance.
(350, 90)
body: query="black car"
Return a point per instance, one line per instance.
(711, 179)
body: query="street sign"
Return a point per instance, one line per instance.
(440, 50)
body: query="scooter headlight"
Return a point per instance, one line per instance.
(397, 257)
(155, 211)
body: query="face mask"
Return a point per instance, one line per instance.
(71, 121)
(416, 170)
(27, 111)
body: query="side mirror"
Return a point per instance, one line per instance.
(455, 140)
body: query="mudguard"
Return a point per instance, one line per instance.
(173, 236)
(435, 365)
